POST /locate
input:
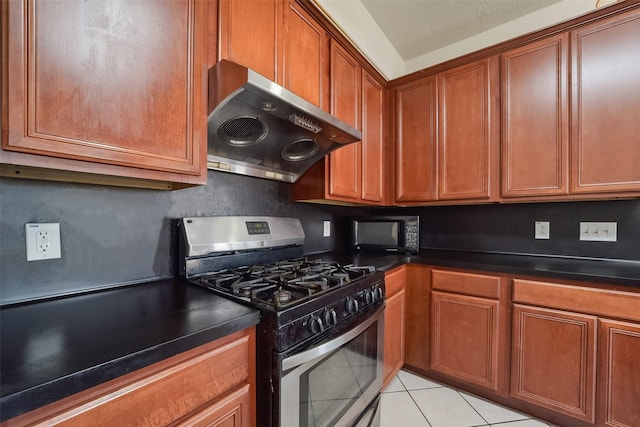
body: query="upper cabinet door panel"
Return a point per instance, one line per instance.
(467, 138)
(248, 34)
(372, 142)
(605, 107)
(415, 109)
(535, 121)
(306, 48)
(110, 82)
(345, 105)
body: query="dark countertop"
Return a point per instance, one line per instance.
(612, 272)
(52, 349)
(55, 348)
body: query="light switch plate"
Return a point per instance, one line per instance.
(599, 231)
(43, 241)
(542, 230)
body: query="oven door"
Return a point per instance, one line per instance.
(335, 382)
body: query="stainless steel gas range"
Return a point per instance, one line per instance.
(320, 339)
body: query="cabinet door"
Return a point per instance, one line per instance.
(305, 52)
(345, 162)
(535, 119)
(415, 115)
(605, 108)
(394, 336)
(231, 411)
(468, 137)
(553, 362)
(119, 84)
(464, 338)
(416, 318)
(249, 33)
(372, 142)
(619, 373)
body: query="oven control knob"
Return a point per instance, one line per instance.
(352, 305)
(315, 324)
(369, 296)
(330, 317)
(377, 293)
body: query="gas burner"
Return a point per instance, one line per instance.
(314, 282)
(281, 296)
(285, 283)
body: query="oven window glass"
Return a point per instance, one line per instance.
(378, 233)
(332, 386)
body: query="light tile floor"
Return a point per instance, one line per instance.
(413, 401)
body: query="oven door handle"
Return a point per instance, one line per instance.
(313, 353)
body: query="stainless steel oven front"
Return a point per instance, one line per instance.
(336, 382)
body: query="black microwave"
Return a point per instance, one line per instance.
(386, 233)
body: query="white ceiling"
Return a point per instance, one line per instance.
(402, 36)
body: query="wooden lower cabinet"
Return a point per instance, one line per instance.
(233, 410)
(566, 352)
(554, 360)
(465, 337)
(416, 317)
(619, 373)
(468, 328)
(394, 324)
(211, 385)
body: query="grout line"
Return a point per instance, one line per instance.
(419, 409)
(472, 407)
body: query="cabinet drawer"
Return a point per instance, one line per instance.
(394, 281)
(466, 283)
(232, 410)
(601, 302)
(162, 394)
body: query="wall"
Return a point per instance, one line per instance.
(510, 228)
(112, 236)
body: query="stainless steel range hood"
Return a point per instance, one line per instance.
(258, 128)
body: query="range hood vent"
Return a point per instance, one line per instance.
(258, 128)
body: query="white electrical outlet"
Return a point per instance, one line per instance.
(599, 231)
(326, 232)
(542, 230)
(43, 241)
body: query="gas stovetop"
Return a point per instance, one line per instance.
(284, 284)
(259, 261)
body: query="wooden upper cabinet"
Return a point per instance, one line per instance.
(468, 134)
(416, 145)
(345, 162)
(102, 83)
(373, 148)
(535, 119)
(305, 64)
(248, 33)
(605, 107)
(353, 174)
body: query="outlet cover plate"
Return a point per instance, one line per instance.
(599, 231)
(43, 241)
(326, 231)
(542, 230)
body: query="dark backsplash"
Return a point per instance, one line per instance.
(112, 236)
(510, 228)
